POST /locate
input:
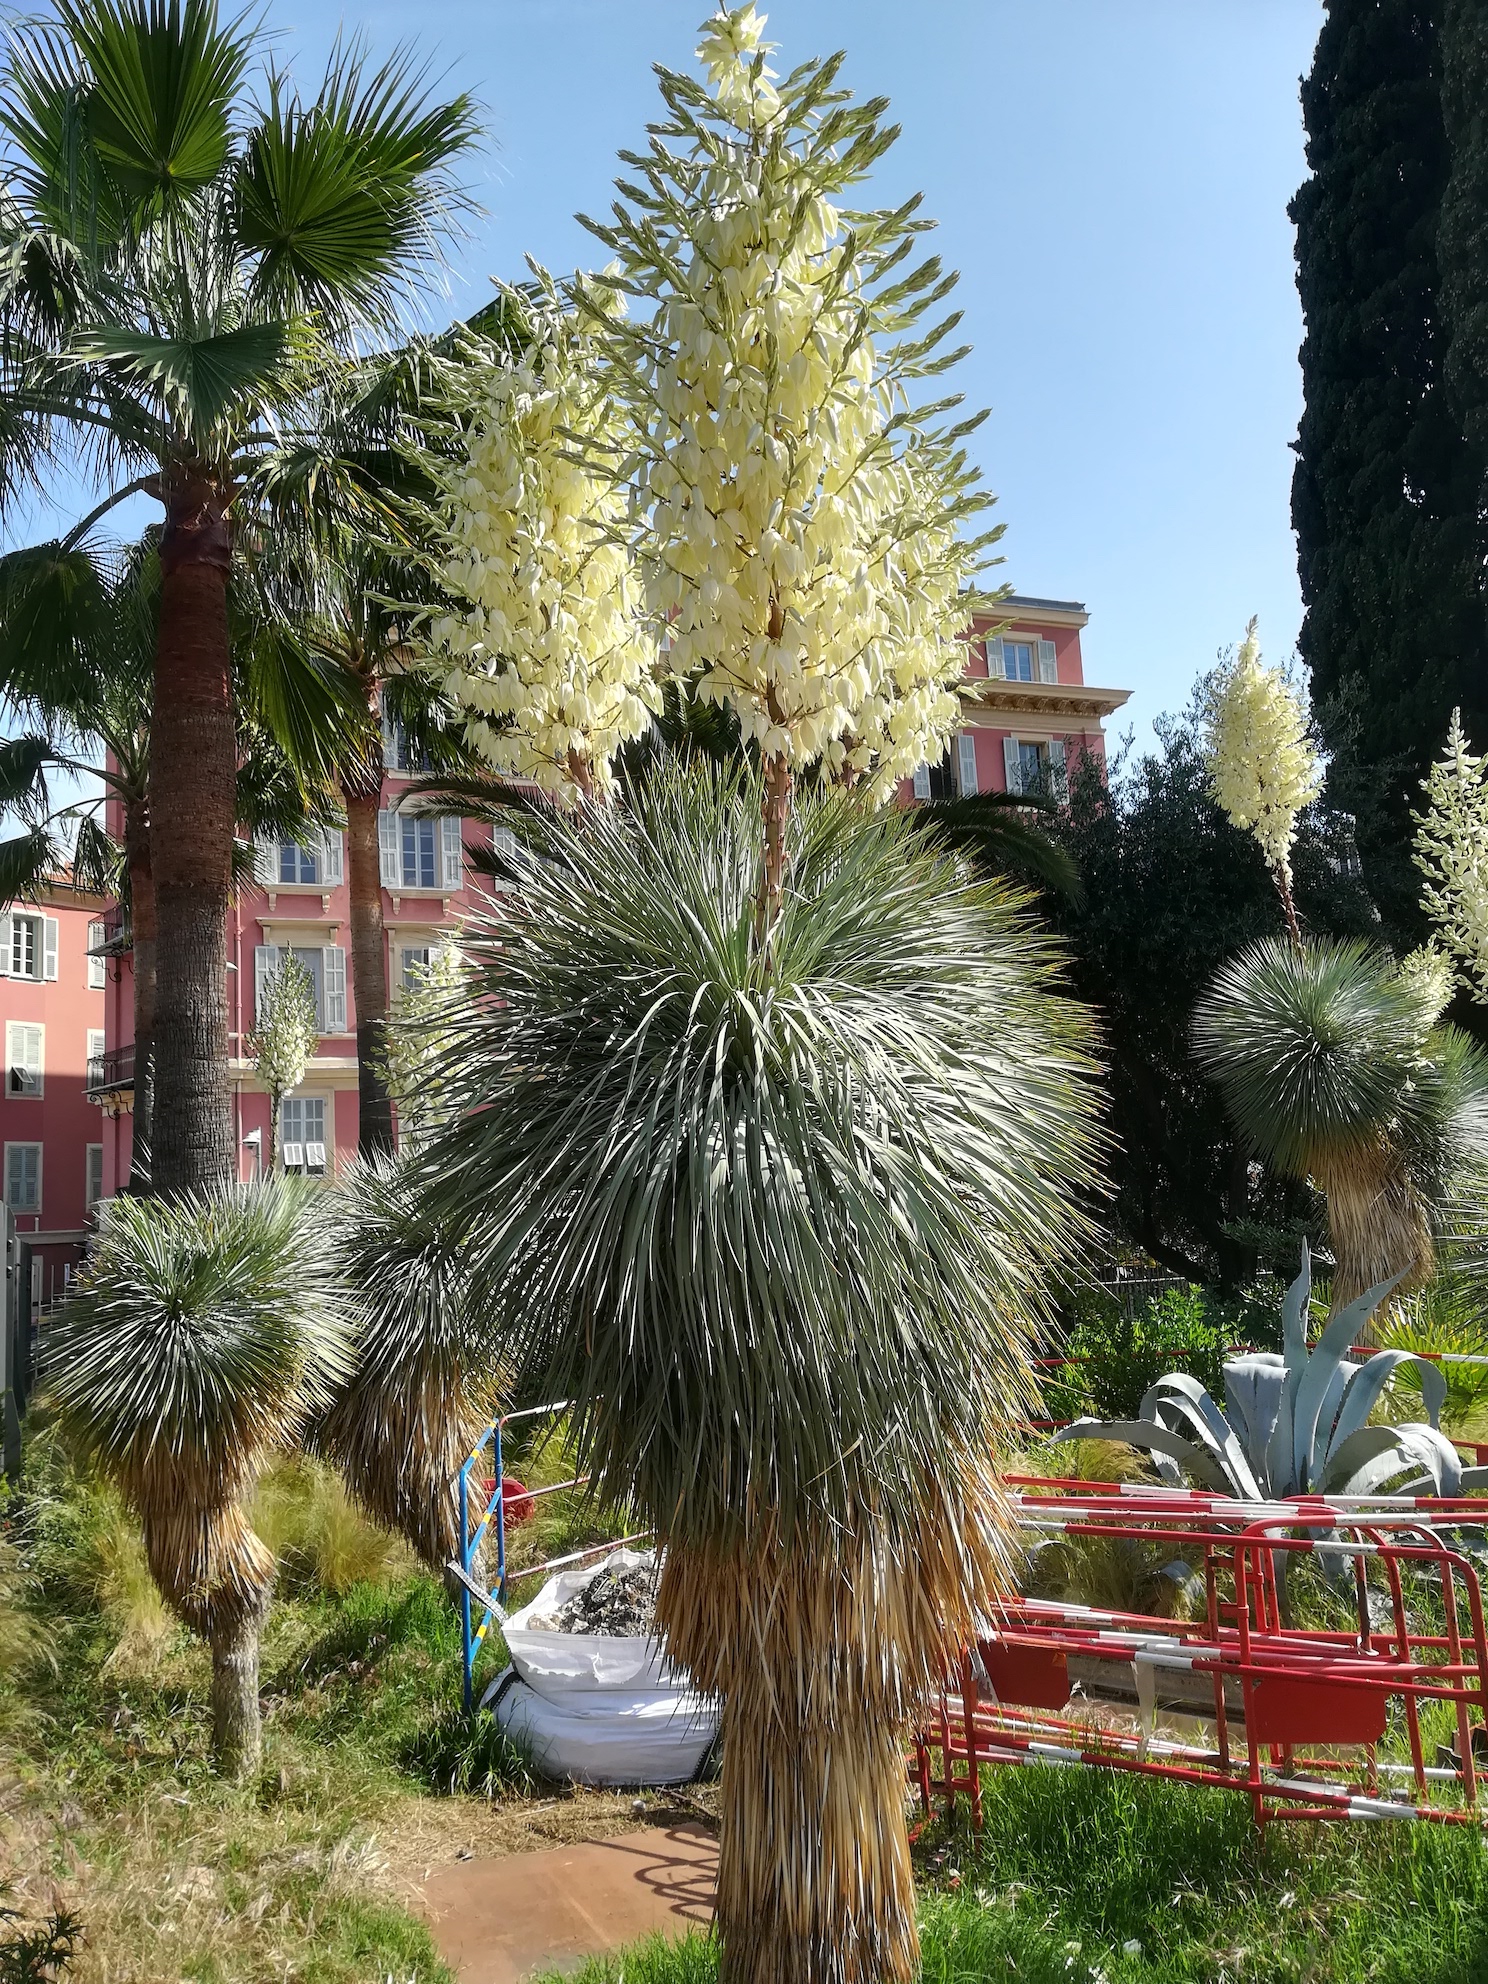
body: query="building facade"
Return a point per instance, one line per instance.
(299, 901)
(1027, 711)
(52, 1005)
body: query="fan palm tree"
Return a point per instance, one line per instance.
(422, 1390)
(1334, 1069)
(778, 1219)
(204, 1332)
(77, 644)
(182, 268)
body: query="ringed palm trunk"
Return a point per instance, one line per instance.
(143, 933)
(823, 1652)
(193, 774)
(368, 962)
(1376, 1223)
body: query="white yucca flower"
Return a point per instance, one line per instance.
(1263, 769)
(551, 651)
(1452, 854)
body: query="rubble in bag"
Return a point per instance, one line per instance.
(620, 1602)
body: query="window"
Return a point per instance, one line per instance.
(93, 1176)
(418, 851)
(28, 946)
(24, 1049)
(23, 1177)
(326, 964)
(1022, 658)
(302, 1133)
(421, 853)
(398, 755)
(415, 959)
(97, 966)
(1017, 660)
(95, 1056)
(1036, 768)
(316, 863)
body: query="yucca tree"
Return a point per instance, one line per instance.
(778, 1219)
(1332, 1064)
(423, 1387)
(204, 1332)
(183, 264)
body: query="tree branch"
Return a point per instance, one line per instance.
(143, 485)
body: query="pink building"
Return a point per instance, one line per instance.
(298, 902)
(52, 999)
(1027, 710)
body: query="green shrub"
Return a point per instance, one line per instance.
(1118, 1347)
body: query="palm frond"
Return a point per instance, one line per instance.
(54, 612)
(1001, 834)
(28, 862)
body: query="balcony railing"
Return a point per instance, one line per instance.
(115, 935)
(110, 1074)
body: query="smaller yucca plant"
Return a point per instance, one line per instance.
(421, 1391)
(205, 1330)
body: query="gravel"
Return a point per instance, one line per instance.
(618, 1602)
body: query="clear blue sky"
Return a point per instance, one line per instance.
(1111, 180)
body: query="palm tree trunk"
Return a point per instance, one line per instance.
(193, 777)
(368, 968)
(1376, 1224)
(142, 930)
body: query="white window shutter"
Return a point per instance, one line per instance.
(387, 849)
(1048, 664)
(50, 931)
(265, 958)
(1058, 776)
(922, 782)
(452, 851)
(266, 862)
(1012, 764)
(994, 657)
(335, 989)
(966, 765)
(5, 945)
(334, 870)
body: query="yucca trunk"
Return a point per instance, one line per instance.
(823, 1652)
(217, 1574)
(193, 807)
(1376, 1223)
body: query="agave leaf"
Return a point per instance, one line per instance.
(1179, 1396)
(1159, 1442)
(1349, 1457)
(1255, 1387)
(1438, 1457)
(1294, 1315)
(1473, 1479)
(1321, 1373)
(1370, 1380)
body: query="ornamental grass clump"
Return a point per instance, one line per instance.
(779, 1217)
(422, 1389)
(205, 1331)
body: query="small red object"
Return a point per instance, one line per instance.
(1032, 1676)
(517, 1506)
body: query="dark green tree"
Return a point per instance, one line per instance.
(1171, 892)
(1385, 493)
(1462, 234)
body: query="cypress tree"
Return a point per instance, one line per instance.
(1462, 236)
(1385, 493)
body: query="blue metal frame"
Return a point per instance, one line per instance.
(470, 1544)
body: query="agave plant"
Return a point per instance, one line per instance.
(778, 1220)
(204, 1332)
(1297, 1423)
(1330, 1061)
(421, 1391)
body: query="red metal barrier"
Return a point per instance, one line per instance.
(1299, 1716)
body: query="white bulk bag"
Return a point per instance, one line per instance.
(597, 1707)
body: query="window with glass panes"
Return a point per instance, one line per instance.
(1017, 660)
(419, 847)
(25, 947)
(302, 1121)
(298, 864)
(415, 961)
